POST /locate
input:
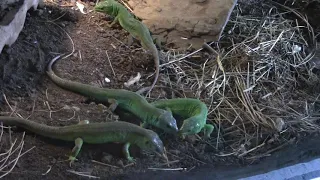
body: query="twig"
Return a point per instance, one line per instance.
(82, 174)
(13, 111)
(188, 55)
(114, 74)
(104, 164)
(168, 169)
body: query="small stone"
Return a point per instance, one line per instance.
(279, 124)
(40, 12)
(100, 30)
(107, 158)
(120, 163)
(107, 80)
(66, 107)
(76, 108)
(53, 161)
(92, 4)
(191, 138)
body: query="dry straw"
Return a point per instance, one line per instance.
(256, 81)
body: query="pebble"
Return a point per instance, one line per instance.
(40, 12)
(107, 158)
(120, 163)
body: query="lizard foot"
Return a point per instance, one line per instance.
(207, 130)
(72, 160)
(131, 159)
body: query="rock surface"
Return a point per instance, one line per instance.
(12, 18)
(182, 23)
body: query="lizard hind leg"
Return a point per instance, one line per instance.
(113, 22)
(157, 40)
(113, 104)
(127, 153)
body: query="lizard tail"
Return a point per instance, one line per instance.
(41, 129)
(76, 87)
(157, 64)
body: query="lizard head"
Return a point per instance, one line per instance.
(106, 6)
(151, 142)
(167, 122)
(190, 126)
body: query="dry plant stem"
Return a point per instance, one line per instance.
(188, 55)
(166, 169)
(246, 86)
(114, 74)
(169, 162)
(104, 164)
(83, 174)
(22, 154)
(14, 161)
(13, 111)
(49, 169)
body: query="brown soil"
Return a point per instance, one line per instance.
(30, 92)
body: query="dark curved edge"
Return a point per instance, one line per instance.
(304, 150)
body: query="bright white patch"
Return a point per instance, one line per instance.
(318, 178)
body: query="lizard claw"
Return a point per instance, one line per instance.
(132, 160)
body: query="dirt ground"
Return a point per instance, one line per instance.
(32, 95)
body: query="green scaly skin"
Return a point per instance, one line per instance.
(136, 29)
(94, 133)
(195, 112)
(127, 100)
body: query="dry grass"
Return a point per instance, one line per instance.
(257, 82)
(10, 156)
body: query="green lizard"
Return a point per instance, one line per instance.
(195, 112)
(127, 100)
(136, 28)
(94, 133)
(192, 110)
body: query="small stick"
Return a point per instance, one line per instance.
(164, 64)
(43, 174)
(114, 74)
(81, 174)
(13, 111)
(168, 169)
(169, 162)
(104, 164)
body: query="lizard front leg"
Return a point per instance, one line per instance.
(75, 151)
(113, 104)
(127, 153)
(116, 19)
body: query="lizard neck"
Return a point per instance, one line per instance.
(151, 115)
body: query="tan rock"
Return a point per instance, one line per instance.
(184, 22)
